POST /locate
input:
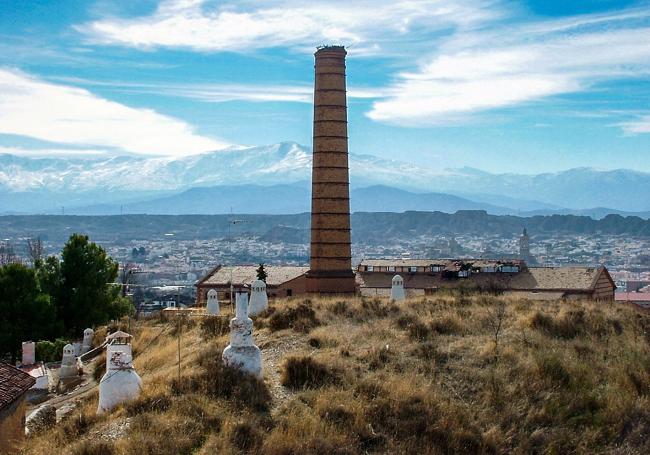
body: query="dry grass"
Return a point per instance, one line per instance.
(446, 374)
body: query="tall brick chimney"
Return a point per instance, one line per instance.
(331, 257)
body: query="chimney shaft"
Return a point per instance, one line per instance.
(330, 259)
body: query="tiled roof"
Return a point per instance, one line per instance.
(449, 264)
(246, 274)
(13, 383)
(551, 278)
(399, 262)
(533, 279)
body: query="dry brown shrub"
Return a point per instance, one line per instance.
(417, 330)
(300, 318)
(447, 325)
(146, 404)
(306, 373)
(214, 326)
(216, 380)
(246, 436)
(378, 357)
(92, 447)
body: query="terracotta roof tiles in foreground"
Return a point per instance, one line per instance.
(13, 383)
(246, 274)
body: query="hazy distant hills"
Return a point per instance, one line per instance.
(379, 228)
(274, 179)
(278, 199)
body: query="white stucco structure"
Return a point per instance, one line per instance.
(68, 363)
(212, 307)
(120, 382)
(87, 344)
(241, 352)
(259, 300)
(29, 353)
(397, 289)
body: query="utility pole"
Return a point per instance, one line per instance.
(178, 316)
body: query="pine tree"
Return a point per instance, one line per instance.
(261, 273)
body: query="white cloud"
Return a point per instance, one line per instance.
(244, 25)
(220, 93)
(68, 115)
(510, 66)
(639, 126)
(50, 152)
(466, 57)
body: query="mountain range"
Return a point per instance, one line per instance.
(274, 179)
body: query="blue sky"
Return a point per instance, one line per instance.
(503, 86)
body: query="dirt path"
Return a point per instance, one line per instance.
(274, 348)
(65, 402)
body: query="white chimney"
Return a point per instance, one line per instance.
(29, 353)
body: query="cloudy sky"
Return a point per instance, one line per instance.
(505, 86)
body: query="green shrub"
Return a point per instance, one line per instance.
(48, 351)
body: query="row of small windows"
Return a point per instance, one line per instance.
(392, 268)
(440, 268)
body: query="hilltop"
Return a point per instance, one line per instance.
(442, 374)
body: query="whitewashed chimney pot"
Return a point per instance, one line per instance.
(68, 363)
(397, 289)
(259, 300)
(120, 383)
(242, 353)
(87, 344)
(212, 307)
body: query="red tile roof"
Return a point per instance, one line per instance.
(13, 383)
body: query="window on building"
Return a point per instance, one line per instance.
(289, 292)
(463, 273)
(413, 269)
(369, 268)
(391, 268)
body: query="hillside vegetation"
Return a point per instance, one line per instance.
(443, 374)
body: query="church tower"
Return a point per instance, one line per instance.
(330, 256)
(524, 248)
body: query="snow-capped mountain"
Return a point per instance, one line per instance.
(265, 165)
(30, 185)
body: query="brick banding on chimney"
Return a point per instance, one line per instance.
(330, 259)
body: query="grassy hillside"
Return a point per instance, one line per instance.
(449, 374)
